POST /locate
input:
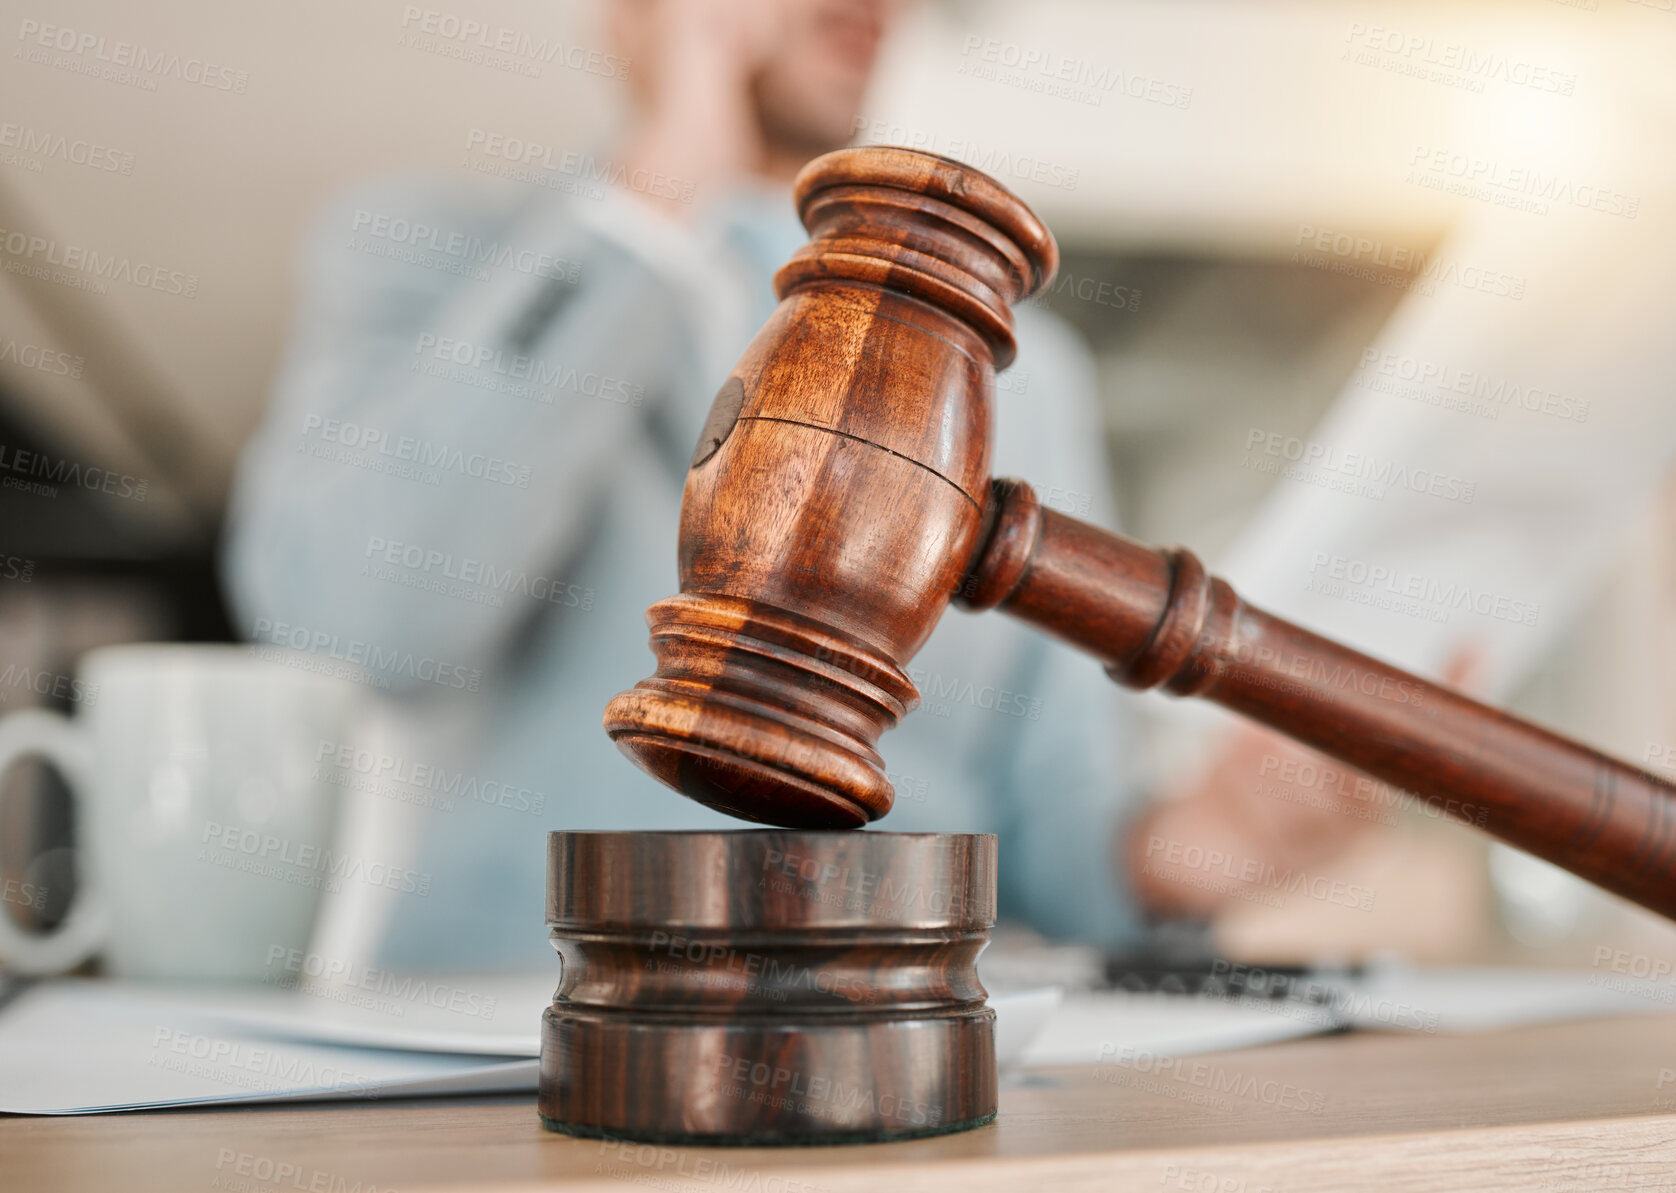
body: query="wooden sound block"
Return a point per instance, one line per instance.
(768, 987)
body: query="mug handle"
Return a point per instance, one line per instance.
(33, 732)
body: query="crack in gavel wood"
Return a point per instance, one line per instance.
(840, 499)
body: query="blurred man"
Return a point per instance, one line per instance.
(501, 585)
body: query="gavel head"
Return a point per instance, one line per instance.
(838, 493)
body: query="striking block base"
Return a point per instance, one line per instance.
(768, 987)
(766, 1082)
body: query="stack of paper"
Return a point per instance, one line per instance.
(88, 1047)
(92, 1047)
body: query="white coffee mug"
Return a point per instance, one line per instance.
(203, 825)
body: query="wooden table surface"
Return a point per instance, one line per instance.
(1585, 1105)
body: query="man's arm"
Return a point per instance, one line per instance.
(458, 387)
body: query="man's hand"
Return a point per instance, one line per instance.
(1266, 805)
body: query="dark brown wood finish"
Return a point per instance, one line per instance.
(769, 986)
(1156, 619)
(841, 499)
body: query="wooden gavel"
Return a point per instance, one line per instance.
(840, 498)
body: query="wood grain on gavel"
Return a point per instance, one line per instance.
(840, 498)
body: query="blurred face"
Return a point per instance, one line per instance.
(804, 63)
(810, 90)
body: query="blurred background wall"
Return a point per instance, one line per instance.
(1180, 196)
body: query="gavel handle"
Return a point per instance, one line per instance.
(1156, 618)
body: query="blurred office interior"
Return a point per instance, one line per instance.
(1181, 204)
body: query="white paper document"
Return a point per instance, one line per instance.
(88, 1047)
(1108, 1026)
(1485, 998)
(461, 1013)
(92, 1047)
